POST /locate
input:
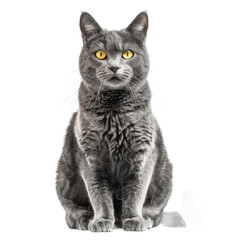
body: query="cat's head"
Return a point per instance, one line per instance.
(114, 59)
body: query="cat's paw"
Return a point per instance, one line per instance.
(137, 224)
(78, 220)
(82, 222)
(101, 225)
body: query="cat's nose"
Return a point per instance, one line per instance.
(114, 69)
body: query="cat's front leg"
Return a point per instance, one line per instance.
(134, 193)
(100, 196)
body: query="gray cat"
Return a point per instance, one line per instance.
(114, 169)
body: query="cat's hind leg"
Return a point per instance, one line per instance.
(78, 218)
(157, 197)
(73, 196)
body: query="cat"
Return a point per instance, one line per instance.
(114, 170)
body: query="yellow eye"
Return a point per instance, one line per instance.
(101, 55)
(127, 54)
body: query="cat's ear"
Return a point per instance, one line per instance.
(139, 26)
(88, 26)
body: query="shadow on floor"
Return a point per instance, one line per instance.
(172, 219)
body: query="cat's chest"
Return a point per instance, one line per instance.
(118, 139)
(117, 133)
(113, 140)
(124, 136)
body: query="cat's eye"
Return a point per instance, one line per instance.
(101, 55)
(127, 54)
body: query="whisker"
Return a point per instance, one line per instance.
(74, 85)
(68, 74)
(74, 101)
(136, 97)
(69, 97)
(93, 92)
(99, 92)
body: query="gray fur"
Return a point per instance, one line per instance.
(114, 169)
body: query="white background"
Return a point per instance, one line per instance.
(194, 48)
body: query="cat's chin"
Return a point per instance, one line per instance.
(115, 83)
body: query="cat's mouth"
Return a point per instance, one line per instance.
(114, 79)
(115, 82)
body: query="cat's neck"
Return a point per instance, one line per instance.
(117, 100)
